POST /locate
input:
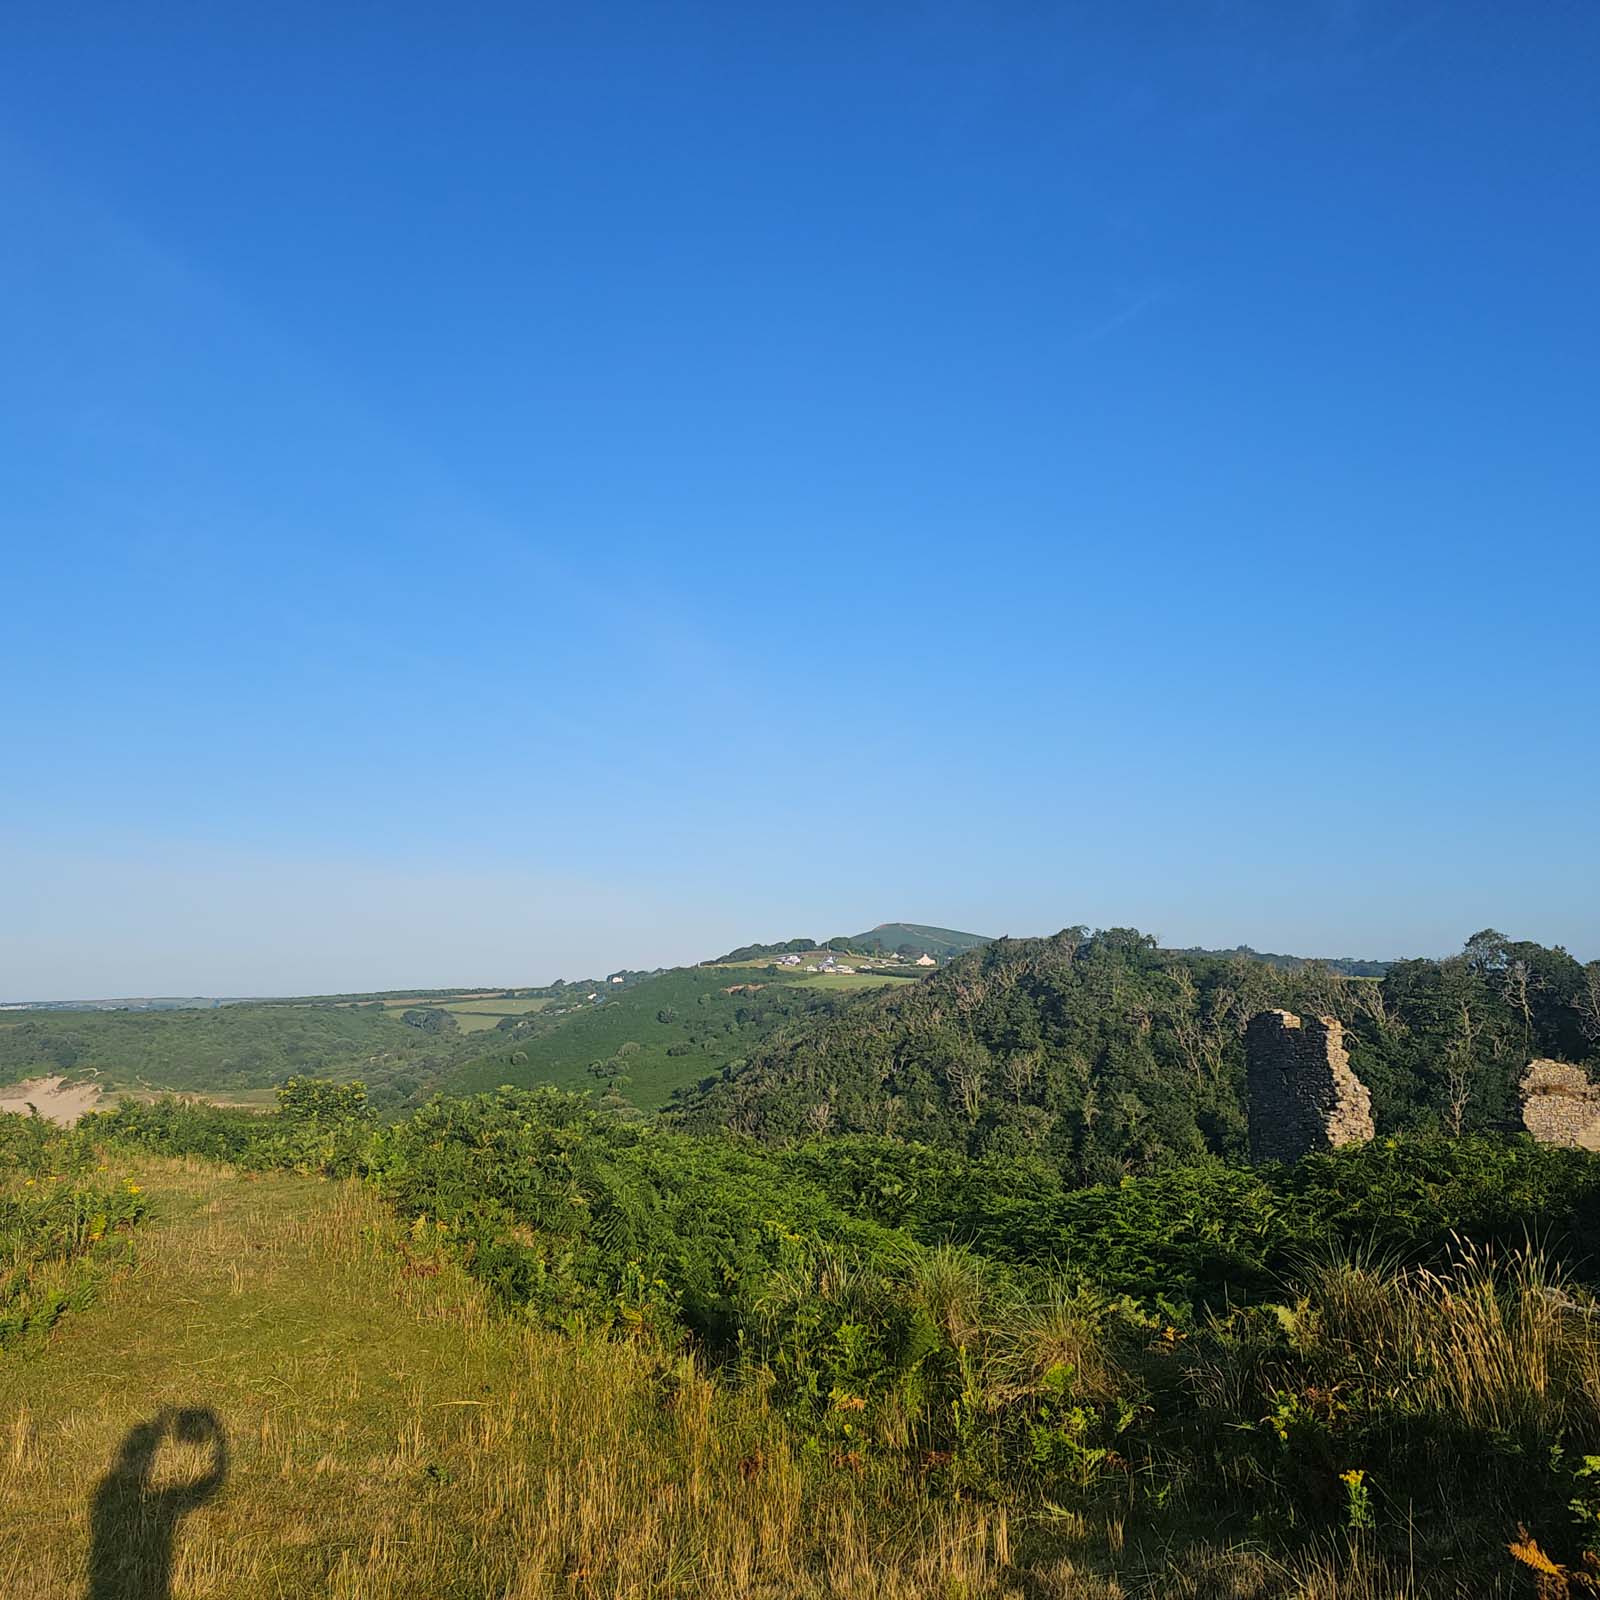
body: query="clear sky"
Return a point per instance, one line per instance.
(501, 491)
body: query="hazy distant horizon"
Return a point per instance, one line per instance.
(85, 930)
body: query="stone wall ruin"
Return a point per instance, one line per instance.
(1302, 1094)
(1560, 1105)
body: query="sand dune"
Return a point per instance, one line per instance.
(55, 1098)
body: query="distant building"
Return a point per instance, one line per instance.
(925, 960)
(617, 980)
(842, 968)
(791, 961)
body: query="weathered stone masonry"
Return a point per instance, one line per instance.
(1560, 1105)
(1302, 1094)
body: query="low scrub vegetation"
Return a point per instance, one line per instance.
(1391, 1353)
(62, 1224)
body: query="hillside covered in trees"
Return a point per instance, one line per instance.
(1106, 1055)
(636, 1045)
(246, 1046)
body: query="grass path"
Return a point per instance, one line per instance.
(388, 1437)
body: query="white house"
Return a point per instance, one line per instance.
(925, 960)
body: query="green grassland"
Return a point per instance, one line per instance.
(847, 982)
(495, 1008)
(479, 1016)
(660, 1035)
(472, 1021)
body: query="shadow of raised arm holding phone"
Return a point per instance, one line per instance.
(133, 1519)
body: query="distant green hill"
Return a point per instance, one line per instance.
(646, 1040)
(917, 938)
(908, 938)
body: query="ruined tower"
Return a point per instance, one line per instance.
(1302, 1094)
(1560, 1105)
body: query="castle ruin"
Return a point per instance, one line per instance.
(1302, 1094)
(1560, 1105)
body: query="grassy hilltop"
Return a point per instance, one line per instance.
(918, 938)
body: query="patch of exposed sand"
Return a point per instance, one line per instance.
(55, 1098)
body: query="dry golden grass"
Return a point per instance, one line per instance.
(1492, 1343)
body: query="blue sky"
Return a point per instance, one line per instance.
(498, 493)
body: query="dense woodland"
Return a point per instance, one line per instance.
(1104, 1054)
(233, 1047)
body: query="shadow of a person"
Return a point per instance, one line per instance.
(132, 1522)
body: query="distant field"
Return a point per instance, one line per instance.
(472, 1021)
(474, 1013)
(241, 1099)
(445, 1001)
(495, 1008)
(478, 1016)
(846, 980)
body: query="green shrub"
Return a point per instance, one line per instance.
(60, 1225)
